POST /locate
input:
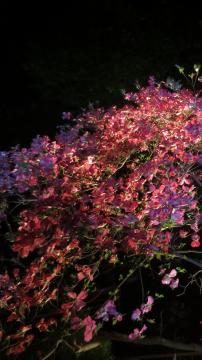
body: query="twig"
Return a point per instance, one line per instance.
(155, 341)
(198, 272)
(53, 350)
(142, 285)
(193, 279)
(188, 251)
(13, 260)
(191, 261)
(88, 347)
(60, 341)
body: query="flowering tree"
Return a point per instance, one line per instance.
(115, 190)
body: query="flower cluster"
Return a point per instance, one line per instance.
(118, 181)
(138, 314)
(169, 278)
(144, 309)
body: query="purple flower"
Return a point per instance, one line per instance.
(178, 216)
(102, 315)
(66, 115)
(109, 309)
(136, 314)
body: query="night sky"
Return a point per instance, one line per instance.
(61, 57)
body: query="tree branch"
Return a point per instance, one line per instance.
(169, 355)
(158, 341)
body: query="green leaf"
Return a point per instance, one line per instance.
(158, 256)
(146, 266)
(181, 270)
(197, 67)
(159, 296)
(180, 69)
(191, 75)
(168, 224)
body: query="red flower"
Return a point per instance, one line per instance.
(75, 323)
(195, 240)
(78, 299)
(43, 324)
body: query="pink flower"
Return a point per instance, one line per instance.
(174, 283)
(136, 334)
(183, 233)
(145, 308)
(170, 279)
(90, 325)
(194, 227)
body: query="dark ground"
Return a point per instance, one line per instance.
(62, 57)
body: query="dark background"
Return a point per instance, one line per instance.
(65, 55)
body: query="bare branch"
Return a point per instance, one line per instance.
(155, 341)
(60, 341)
